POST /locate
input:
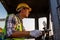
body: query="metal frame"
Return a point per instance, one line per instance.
(55, 19)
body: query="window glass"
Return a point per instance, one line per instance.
(29, 24)
(3, 14)
(40, 21)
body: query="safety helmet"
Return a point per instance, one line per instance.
(21, 6)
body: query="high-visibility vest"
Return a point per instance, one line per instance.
(19, 27)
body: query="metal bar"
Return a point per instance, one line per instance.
(2, 19)
(36, 24)
(47, 35)
(37, 28)
(56, 28)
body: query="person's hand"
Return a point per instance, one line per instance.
(35, 33)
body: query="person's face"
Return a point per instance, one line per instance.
(25, 12)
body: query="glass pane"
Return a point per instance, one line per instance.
(29, 24)
(41, 20)
(3, 14)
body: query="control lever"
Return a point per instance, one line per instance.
(45, 30)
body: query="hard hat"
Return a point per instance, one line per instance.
(21, 6)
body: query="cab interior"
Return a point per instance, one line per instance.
(40, 8)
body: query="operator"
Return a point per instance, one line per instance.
(14, 23)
